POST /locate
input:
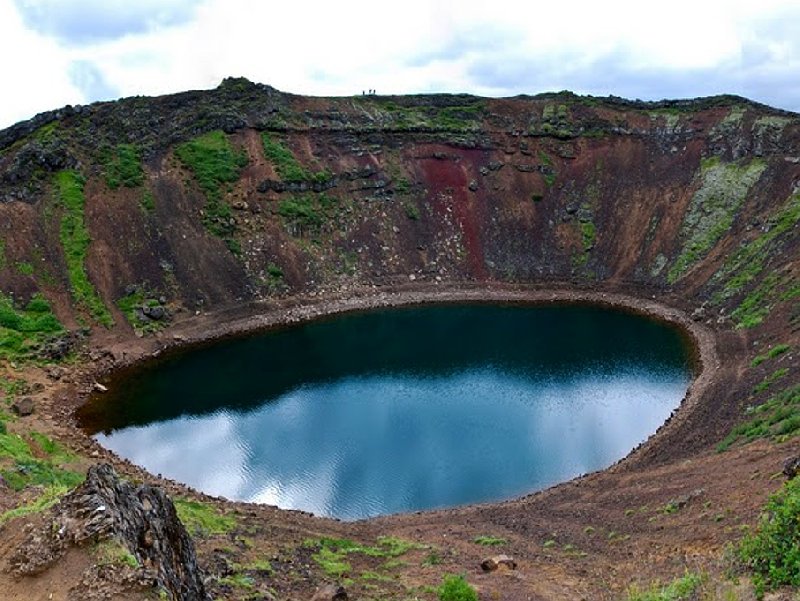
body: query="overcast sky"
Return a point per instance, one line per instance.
(58, 52)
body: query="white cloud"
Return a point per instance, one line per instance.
(504, 48)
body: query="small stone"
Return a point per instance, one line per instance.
(98, 387)
(791, 467)
(473, 186)
(412, 277)
(498, 562)
(330, 592)
(37, 387)
(23, 406)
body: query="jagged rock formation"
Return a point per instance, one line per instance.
(142, 519)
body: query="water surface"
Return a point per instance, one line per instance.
(403, 409)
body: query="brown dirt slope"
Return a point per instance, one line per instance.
(291, 207)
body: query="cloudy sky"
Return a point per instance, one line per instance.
(58, 52)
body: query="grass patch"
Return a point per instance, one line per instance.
(455, 587)
(241, 581)
(20, 468)
(50, 496)
(203, 519)
(332, 552)
(131, 305)
(680, 589)
(489, 541)
(588, 234)
(75, 242)
(772, 552)
(113, 552)
(306, 214)
(148, 202)
(775, 351)
(412, 211)
(123, 166)
(756, 306)
(777, 418)
(214, 162)
(24, 329)
(712, 210)
(288, 167)
(332, 562)
(770, 380)
(24, 268)
(748, 262)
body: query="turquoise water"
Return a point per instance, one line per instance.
(400, 410)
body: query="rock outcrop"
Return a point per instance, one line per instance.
(140, 519)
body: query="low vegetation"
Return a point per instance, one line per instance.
(35, 460)
(680, 589)
(203, 519)
(75, 241)
(288, 167)
(456, 588)
(748, 262)
(332, 553)
(489, 541)
(713, 208)
(132, 306)
(307, 214)
(775, 351)
(777, 418)
(214, 162)
(24, 329)
(772, 552)
(123, 166)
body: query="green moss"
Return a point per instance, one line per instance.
(202, 519)
(214, 162)
(712, 210)
(75, 241)
(456, 118)
(123, 166)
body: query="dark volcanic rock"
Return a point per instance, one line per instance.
(23, 406)
(791, 467)
(142, 519)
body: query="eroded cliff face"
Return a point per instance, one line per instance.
(124, 215)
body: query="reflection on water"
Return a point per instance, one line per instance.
(358, 444)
